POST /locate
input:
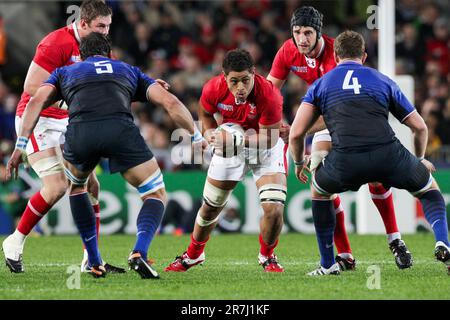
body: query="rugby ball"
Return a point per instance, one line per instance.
(229, 149)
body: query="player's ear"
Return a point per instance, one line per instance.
(336, 58)
(83, 24)
(364, 57)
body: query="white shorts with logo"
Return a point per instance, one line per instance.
(268, 162)
(320, 136)
(48, 133)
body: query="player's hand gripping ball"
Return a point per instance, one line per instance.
(228, 140)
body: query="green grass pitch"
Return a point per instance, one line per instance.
(230, 271)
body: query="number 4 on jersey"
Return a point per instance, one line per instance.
(355, 84)
(104, 67)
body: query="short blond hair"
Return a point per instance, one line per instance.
(349, 45)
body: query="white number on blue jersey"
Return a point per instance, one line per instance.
(104, 67)
(355, 84)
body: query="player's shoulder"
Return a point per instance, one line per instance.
(329, 41)
(60, 37)
(265, 89)
(215, 86)
(263, 84)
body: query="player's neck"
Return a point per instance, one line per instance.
(314, 54)
(358, 61)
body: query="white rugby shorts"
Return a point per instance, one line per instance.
(48, 133)
(268, 162)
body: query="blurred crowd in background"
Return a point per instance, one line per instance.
(183, 42)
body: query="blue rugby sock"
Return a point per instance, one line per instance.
(324, 222)
(433, 205)
(148, 221)
(84, 218)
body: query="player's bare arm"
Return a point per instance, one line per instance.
(174, 107)
(306, 116)
(417, 125)
(44, 97)
(209, 123)
(276, 82)
(318, 126)
(35, 77)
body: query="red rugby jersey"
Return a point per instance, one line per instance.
(59, 48)
(289, 59)
(264, 104)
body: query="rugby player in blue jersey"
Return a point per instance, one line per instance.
(99, 92)
(355, 102)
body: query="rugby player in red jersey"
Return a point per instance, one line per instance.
(247, 99)
(59, 48)
(309, 55)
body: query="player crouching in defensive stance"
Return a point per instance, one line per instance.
(253, 103)
(101, 125)
(355, 102)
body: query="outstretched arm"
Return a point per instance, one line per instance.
(306, 116)
(174, 107)
(416, 123)
(44, 97)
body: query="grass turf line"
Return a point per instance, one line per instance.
(230, 271)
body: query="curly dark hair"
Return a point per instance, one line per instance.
(237, 60)
(95, 44)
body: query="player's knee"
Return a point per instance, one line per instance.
(77, 189)
(55, 190)
(273, 211)
(215, 197)
(93, 186)
(159, 194)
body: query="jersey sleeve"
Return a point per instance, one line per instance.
(400, 107)
(272, 105)
(142, 85)
(207, 98)
(50, 56)
(279, 69)
(311, 96)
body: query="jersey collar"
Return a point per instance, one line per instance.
(350, 62)
(75, 31)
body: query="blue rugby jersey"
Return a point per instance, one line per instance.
(100, 88)
(355, 102)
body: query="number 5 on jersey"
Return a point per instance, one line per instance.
(103, 67)
(355, 84)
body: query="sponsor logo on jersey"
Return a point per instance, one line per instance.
(225, 107)
(75, 59)
(302, 69)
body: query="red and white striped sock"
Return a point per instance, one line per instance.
(265, 249)
(340, 233)
(196, 248)
(37, 207)
(384, 202)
